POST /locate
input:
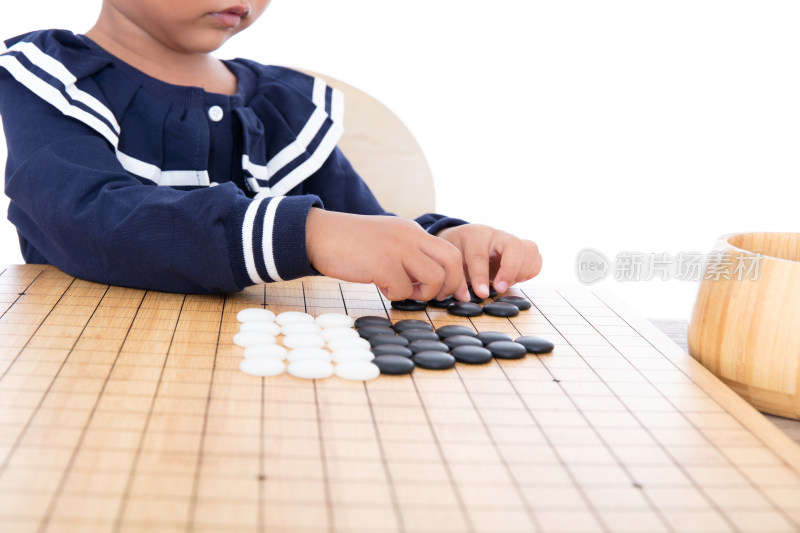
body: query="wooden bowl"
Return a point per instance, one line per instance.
(746, 328)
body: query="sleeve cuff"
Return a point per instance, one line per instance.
(268, 239)
(433, 224)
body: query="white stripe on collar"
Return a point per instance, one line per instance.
(60, 72)
(296, 148)
(56, 98)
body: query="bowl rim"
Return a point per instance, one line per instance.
(726, 238)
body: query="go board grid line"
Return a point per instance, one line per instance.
(329, 508)
(445, 463)
(68, 468)
(749, 418)
(194, 495)
(262, 471)
(262, 459)
(117, 526)
(620, 463)
(386, 470)
(22, 349)
(581, 490)
(19, 294)
(742, 423)
(54, 497)
(474, 395)
(12, 450)
(303, 292)
(665, 449)
(515, 482)
(752, 483)
(341, 293)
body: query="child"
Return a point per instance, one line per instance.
(136, 158)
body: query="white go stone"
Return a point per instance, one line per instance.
(255, 314)
(330, 334)
(334, 320)
(303, 341)
(270, 328)
(293, 316)
(340, 356)
(252, 338)
(262, 366)
(308, 354)
(348, 343)
(301, 328)
(357, 370)
(311, 369)
(271, 351)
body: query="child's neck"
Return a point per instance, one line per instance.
(170, 66)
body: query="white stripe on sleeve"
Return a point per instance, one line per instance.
(266, 246)
(247, 240)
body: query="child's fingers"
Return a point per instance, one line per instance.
(394, 283)
(534, 262)
(476, 259)
(449, 258)
(511, 260)
(431, 276)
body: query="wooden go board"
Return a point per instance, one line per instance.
(124, 410)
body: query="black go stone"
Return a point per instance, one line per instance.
(501, 309)
(474, 298)
(449, 331)
(472, 355)
(492, 292)
(536, 345)
(522, 303)
(487, 337)
(434, 360)
(442, 304)
(385, 338)
(419, 335)
(372, 320)
(465, 309)
(507, 350)
(411, 323)
(409, 305)
(394, 365)
(462, 340)
(392, 349)
(428, 346)
(369, 331)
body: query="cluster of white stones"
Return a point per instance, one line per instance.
(315, 348)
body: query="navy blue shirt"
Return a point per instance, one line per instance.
(120, 178)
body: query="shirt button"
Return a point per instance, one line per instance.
(215, 113)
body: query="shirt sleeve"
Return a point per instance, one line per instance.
(76, 207)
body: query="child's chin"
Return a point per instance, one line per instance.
(207, 43)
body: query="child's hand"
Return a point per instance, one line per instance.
(495, 255)
(395, 254)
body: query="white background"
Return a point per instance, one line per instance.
(618, 125)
